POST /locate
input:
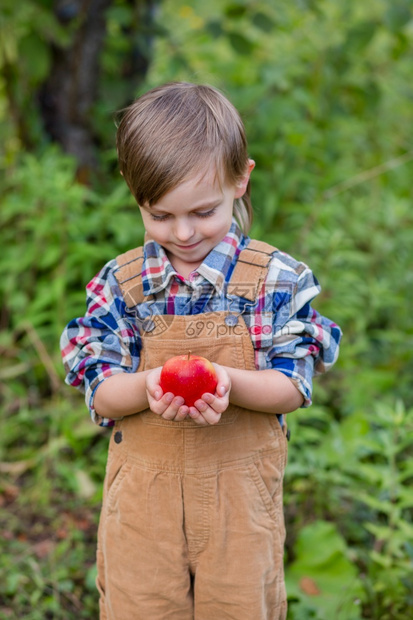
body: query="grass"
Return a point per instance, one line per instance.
(52, 466)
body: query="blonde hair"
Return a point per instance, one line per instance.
(176, 131)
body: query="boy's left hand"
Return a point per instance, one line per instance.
(210, 407)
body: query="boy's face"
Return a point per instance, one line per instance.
(191, 219)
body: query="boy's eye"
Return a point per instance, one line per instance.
(206, 213)
(159, 218)
(165, 216)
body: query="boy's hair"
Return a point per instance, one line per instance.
(176, 131)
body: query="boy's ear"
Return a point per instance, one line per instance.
(241, 186)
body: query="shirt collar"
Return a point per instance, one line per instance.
(216, 268)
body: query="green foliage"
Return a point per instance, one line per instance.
(30, 33)
(47, 564)
(325, 90)
(56, 234)
(357, 474)
(27, 31)
(322, 578)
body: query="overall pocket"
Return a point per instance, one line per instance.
(267, 474)
(116, 473)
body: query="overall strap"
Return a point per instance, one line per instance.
(128, 275)
(251, 270)
(246, 281)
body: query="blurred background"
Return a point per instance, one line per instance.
(325, 88)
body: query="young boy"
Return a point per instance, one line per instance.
(192, 522)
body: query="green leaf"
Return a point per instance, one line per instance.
(360, 35)
(235, 10)
(323, 574)
(240, 43)
(36, 58)
(263, 22)
(398, 14)
(214, 27)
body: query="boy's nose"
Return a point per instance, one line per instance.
(183, 230)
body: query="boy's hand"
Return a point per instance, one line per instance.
(210, 407)
(167, 405)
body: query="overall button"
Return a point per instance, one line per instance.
(231, 320)
(118, 437)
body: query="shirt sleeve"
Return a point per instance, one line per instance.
(102, 343)
(305, 343)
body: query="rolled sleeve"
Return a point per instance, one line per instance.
(305, 343)
(102, 343)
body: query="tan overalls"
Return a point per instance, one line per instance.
(192, 520)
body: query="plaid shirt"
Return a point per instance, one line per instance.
(287, 333)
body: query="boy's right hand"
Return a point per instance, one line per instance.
(166, 405)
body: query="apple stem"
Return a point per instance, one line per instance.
(189, 355)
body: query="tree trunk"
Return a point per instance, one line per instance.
(69, 93)
(71, 90)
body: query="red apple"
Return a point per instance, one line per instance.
(188, 376)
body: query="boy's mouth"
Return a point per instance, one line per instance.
(187, 247)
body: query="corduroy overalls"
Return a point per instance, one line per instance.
(192, 523)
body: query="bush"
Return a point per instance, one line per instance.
(325, 92)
